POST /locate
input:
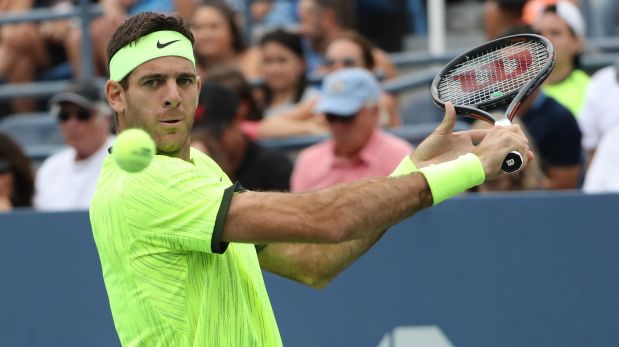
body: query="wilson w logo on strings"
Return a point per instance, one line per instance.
(488, 74)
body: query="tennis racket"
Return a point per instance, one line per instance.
(497, 73)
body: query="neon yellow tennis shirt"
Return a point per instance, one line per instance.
(170, 280)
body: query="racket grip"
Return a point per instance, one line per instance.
(512, 163)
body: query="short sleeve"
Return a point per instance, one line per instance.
(178, 207)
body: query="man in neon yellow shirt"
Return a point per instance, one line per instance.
(176, 241)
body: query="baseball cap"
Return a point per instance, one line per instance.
(570, 13)
(345, 91)
(87, 95)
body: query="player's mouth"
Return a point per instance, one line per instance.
(171, 121)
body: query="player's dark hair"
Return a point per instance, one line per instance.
(141, 25)
(13, 160)
(293, 43)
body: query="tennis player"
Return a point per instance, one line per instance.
(181, 246)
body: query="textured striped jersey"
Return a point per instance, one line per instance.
(170, 280)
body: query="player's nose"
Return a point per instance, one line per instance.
(172, 94)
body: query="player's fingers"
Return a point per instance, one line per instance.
(530, 155)
(476, 135)
(449, 120)
(520, 144)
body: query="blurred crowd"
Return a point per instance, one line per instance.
(306, 67)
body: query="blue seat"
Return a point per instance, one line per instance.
(38, 133)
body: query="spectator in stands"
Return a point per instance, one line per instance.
(555, 133)
(298, 121)
(602, 174)
(501, 16)
(219, 40)
(323, 20)
(16, 176)
(229, 76)
(218, 131)
(114, 13)
(358, 148)
(533, 8)
(67, 179)
(384, 22)
(27, 49)
(351, 49)
(600, 112)
(564, 26)
(283, 70)
(267, 15)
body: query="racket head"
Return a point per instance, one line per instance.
(493, 75)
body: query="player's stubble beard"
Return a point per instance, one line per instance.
(136, 119)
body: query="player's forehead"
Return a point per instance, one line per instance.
(170, 66)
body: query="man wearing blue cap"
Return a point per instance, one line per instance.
(357, 148)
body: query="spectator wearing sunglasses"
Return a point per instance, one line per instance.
(67, 179)
(351, 49)
(357, 148)
(16, 176)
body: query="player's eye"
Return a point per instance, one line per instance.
(185, 81)
(150, 83)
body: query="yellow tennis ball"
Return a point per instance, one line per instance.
(133, 150)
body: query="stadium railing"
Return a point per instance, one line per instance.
(37, 133)
(84, 11)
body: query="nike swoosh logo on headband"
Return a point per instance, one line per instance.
(163, 45)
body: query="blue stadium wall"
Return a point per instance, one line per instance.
(516, 270)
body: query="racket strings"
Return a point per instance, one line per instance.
(493, 73)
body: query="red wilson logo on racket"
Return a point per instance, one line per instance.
(495, 71)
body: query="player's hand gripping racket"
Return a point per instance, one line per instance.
(497, 73)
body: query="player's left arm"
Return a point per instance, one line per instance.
(314, 265)
(317, 264)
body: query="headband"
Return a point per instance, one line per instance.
(154, 45)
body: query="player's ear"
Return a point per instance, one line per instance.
(115, 95)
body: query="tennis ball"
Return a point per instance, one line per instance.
(496, 94)
(133, 150)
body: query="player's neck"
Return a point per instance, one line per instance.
(183, 153)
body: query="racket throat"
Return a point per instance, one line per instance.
(503, 122)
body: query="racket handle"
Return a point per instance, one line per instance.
(512, 163)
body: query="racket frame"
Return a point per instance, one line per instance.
(514, 98)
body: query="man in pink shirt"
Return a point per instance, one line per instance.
(357, 148)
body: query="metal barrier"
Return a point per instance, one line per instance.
(84, 11)
(414, 134)
(506, 270)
